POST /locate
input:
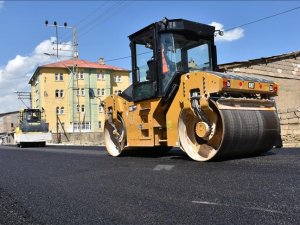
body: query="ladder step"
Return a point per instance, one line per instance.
(145, 109)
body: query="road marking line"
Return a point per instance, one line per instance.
(163, 167)
(206, 203)
(263, 209)
(239, 206)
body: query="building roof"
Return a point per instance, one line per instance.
(79, 63)
(8, 113)
(259, 60)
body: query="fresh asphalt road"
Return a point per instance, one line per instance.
(83, 185)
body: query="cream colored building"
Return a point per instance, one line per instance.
(8, 123)
(69, 93)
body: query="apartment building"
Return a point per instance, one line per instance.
(69, 93)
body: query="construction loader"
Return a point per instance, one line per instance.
(32, 130)
(178, 98)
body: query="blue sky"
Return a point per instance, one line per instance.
(103, 28)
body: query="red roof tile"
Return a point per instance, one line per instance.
(81, 64)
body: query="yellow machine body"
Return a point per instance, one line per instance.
(150, 123)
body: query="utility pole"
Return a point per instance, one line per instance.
(73, 70)
(57, 127)
(74, 42)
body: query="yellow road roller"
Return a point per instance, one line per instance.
(179, 99)
(32, 130)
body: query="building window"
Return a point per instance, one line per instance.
(75, 126)
(59, 93)
(100, 76)
(100, 108)
(60, 110)
(117, 78)
(116, 92)
(85, 126)
(100, 124)
(78, 108)
(82, 108)
(102, 91)
(81, 75)
(78, 92)
(56, 93)
(82, 92)
(98, 91)
(56, 76)
(59, 76)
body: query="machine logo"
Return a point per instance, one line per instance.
(251, 85)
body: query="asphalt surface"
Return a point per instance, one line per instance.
(83, 185)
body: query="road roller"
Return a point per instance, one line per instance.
(178, 98)
(32, 129)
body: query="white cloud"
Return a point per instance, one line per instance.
(14, 76)
(230, 35)
(9, 103)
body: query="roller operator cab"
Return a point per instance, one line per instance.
(177, 98)
(32, 130)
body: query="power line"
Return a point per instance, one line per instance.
(88, 24)
(111, 11)
(102, 6)
(264, 18)
(242, 25)
(110, 60)
(91, 13)
(87, 28)
(125, 57)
